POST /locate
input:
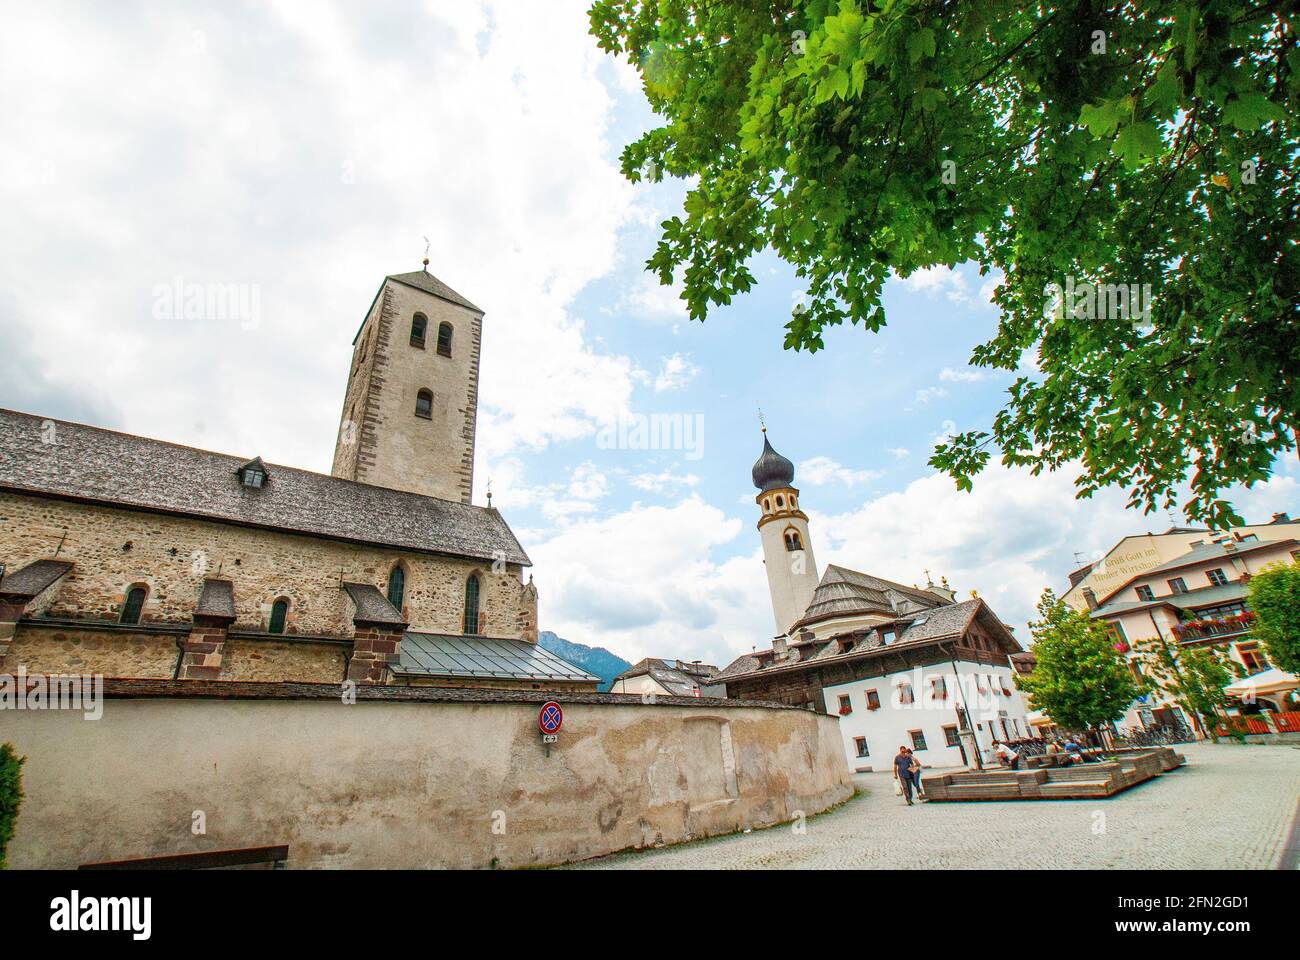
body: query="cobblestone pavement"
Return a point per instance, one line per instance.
(1230, 807)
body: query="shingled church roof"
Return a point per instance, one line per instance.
(88, 464)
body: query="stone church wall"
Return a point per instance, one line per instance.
(115, 549)
(408, 777)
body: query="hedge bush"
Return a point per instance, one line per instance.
(11, 795)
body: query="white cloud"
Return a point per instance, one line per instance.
(926, 394)
(820, 471)
(587, 483)
(664, 597)
(965, 375)
(308, 164)
(936, 282)
(651, 300)
(675, 372)
(900, 453)
(666, 480)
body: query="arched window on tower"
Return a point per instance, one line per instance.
(444, 339)
(792, 539)
(279, 613)
(780, 501)
(397, 587)
(419, 324)
(471, 624)
(424, 404)
(135, 598)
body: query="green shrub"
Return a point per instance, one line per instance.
(11, 795)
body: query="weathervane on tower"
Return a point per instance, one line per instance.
(426, 253)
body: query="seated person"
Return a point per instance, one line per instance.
(1006, 756)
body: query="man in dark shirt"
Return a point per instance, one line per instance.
(903, 772)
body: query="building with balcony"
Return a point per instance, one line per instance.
(1197, 598)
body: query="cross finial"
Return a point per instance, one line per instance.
(426, 253)
(489, 491)
(762, 426)
(928, 578)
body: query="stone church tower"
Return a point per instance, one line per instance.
(411, 403)
(787, 547)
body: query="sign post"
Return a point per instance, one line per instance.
(549, 721)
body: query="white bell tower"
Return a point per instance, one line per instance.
(787, 546)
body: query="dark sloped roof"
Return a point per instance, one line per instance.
(945, 621)
(674, 676)
(423, 280)
(844, 591)
(1205, 597)
(216, 600)
(372, 606)
(447, 655)
(32, 579)
(771, 470)
(103, 466)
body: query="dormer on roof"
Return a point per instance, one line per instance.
(253, 474)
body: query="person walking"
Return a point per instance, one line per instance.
(903, 773)
(915, 770)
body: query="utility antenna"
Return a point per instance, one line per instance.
(1078, 556)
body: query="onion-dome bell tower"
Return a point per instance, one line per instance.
(783, 528)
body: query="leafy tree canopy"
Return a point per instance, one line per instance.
(1274, 595)
(1079, 676)
(1058, 143)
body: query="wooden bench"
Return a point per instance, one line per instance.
(277, 856)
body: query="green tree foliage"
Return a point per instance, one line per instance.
(1148, 143)
(1079, 677)
(1274, 595)
(1194, 677)
(11, 795)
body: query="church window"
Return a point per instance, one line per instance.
(444, 339)
(397, 587)
(792, 539)
(424, 404)
(767, 505)
(279, 613)
(419, 323)
(134, 604)
(470, 625)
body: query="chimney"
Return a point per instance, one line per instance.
(1090, 598)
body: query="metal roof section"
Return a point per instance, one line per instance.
(449, 655)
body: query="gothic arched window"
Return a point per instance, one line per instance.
(471, 604)
(135, 598)
(397, 587)
(444, 339)
(424, 404)
(279, 613)
(419, 323)
(792, 539)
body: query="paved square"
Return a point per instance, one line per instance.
(1230, 807)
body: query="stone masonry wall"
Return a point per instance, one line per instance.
(115, 549)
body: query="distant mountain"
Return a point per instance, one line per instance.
(597, 661)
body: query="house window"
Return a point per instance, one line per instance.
(419, 324)
(1220, 612)
(471, 625)
(918, 739)
(279, 611)
(905, 694)
(1116, 631)
(1144, 593)
(133, 605)
(939, 686)
(1216, 577)
(424, 404)
(873, 700)
(1252, 657)
(792, 540)
(860, 744)
(846, 706)
(1178, 585)
(397, 587)
(444, 339)
(1135, 668)
(950, 736)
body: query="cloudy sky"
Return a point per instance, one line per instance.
(304, 150)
